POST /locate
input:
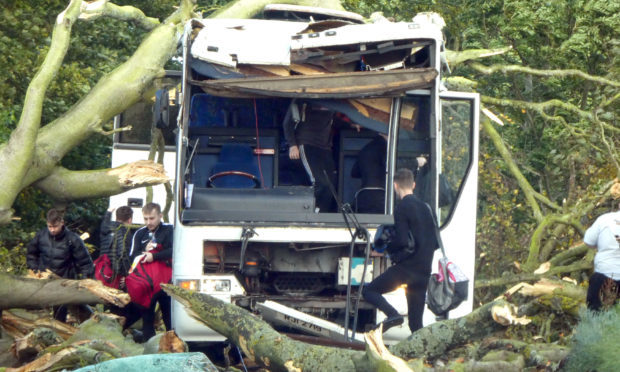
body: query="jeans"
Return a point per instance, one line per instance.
(593, 298)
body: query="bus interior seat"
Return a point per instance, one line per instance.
(372, 200)
(235, 157)
(351, 142)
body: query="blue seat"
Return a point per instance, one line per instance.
(236, 168)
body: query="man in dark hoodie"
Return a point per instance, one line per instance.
(61, 251)
(410, 266)
(308, 132)
(115, 240)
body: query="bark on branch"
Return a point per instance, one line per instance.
(261, 343)
(20, 292)
(66, 185)
(533, 259)
(434, 340)
(488, 70)
(531, 195)
(581, 265)
(457, 57)
(103, 8)
(249, 8)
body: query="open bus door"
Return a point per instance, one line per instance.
(458, 141)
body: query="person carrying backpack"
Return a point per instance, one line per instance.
(115, 242)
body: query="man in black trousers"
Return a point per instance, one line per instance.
(308, 132)
(411, 265)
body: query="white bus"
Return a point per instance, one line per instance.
(246, 227)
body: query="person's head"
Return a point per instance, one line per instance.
(124, 215)
(404, 182)
(55, 222)
(152, 215)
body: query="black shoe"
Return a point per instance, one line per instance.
(137, 336)
(392, 321)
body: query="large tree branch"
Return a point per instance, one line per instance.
(249, 8)
(103, 8)
(67, 185)
(533, 258)
(20, 292)
(110, 96)
(20, 149)
(581, 265)
(530, 194)
(457, 57)
(542, 107)
(488, 70)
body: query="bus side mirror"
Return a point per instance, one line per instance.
(161, 109)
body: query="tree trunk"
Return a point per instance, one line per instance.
(261, 343)
(37, 293)
(434, 340)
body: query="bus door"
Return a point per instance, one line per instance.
(456, 183)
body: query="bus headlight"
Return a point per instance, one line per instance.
(216, 285)
(189, 284)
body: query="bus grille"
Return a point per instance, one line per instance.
(298, 284)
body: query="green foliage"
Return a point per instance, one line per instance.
(596, 342)
(13, 261)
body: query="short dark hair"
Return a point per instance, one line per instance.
(54, 216)
(124, 213)
(150, 207)
(404, 178)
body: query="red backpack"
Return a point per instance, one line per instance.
(144, 281)
(105, 273)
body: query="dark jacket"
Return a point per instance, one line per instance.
(313, 128)
(163, 236)
(64, 254)
(413, 215)
(370, 164)
(115, 241)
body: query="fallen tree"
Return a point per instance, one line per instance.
(37, 293)
(263, 345)
(97, 340)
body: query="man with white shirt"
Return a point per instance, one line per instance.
(604, 235)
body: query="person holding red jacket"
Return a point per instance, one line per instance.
(151, 254)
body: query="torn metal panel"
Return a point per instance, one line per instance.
(366, 33)
(338, 85)
(297, 12)
(247, 41)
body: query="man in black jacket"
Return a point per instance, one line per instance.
(410, 267)
(61, 251)
(154, 243)
(308, 132)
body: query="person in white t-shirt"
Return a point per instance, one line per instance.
(604, 235)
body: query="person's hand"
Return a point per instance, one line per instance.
(111, 209)
(121, 283)
(357, 127)
(293, 152)
(148, 257)
(150, 246)
(375, 254)
(421, 161)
